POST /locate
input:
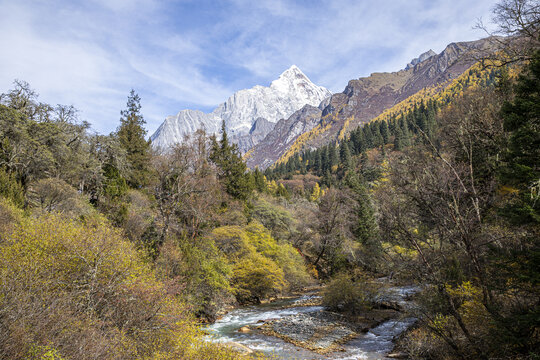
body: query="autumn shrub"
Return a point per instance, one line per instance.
(345, 294)
(52, 194)
(196, 272)
(274, 217)
(481, 330)
(80, 291)
(261, 267)
(282, 253)
(256, 277)
(10, 216)
(140, 223)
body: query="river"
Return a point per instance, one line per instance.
(374, 344)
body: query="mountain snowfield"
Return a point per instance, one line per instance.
(285, 95)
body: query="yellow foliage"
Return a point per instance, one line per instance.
(344, 129)
(256, 277)
(10, 216)
(316, 194)
(324, 126)
(248, 154)
(441, 93)
(81, 291)
(506, 190)
(260, 266)
(272, 187)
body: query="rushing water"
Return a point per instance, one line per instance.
(374, 344)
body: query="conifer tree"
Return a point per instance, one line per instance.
(522, 168)
(333, 157)
(131, 135)
(365, 229)
(233, 170)
(282, 191)
(259, 180)
(346, 158)
(398, 139)
(385, 133)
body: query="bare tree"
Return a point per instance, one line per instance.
(517, 35)
(334, 223)
(187, 189)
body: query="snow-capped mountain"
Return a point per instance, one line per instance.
(289, 93)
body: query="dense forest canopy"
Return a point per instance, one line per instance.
(112, 250)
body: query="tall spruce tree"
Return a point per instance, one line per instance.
(233, 169)
(131, 135)
(522, 122)
(365, 228)
(385, 133)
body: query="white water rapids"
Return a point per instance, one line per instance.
(374, 344)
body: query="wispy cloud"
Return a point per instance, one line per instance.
(187, 53)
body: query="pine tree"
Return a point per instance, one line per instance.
(327, 178)
(233, 169)
(398, 139)
(333, 157)
(131, 135)
(318, 163)
(282, 191)
(259, 180)
(385, 133)
(346, 158)
(522, 122)
(365, 230)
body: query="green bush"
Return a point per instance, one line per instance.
(275, 218)
(345, 295)
(198, 274)
(11, 189)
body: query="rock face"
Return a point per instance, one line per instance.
(290, 92)
(261, 127)
(286, 131)
(365, 98)
(420, 59)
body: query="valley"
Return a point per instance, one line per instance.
(398, 218)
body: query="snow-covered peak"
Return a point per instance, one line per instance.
(292, 73)
(291, 78)
(285, 95)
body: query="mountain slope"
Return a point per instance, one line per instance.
(365, 98)
(284, 135)
(290, 92)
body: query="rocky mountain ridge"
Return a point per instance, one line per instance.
(285, 95)
(421, 58)
(365, 98)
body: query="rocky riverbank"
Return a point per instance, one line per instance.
(323, 331)
(300, 328)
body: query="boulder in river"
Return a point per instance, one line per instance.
(244, 329)
(239, 348)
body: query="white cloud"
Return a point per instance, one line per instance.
(196, 53)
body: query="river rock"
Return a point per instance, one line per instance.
(398, 355)
(239, 348)
(244, 329)
(320, 331)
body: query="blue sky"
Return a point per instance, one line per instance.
(194, 54)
